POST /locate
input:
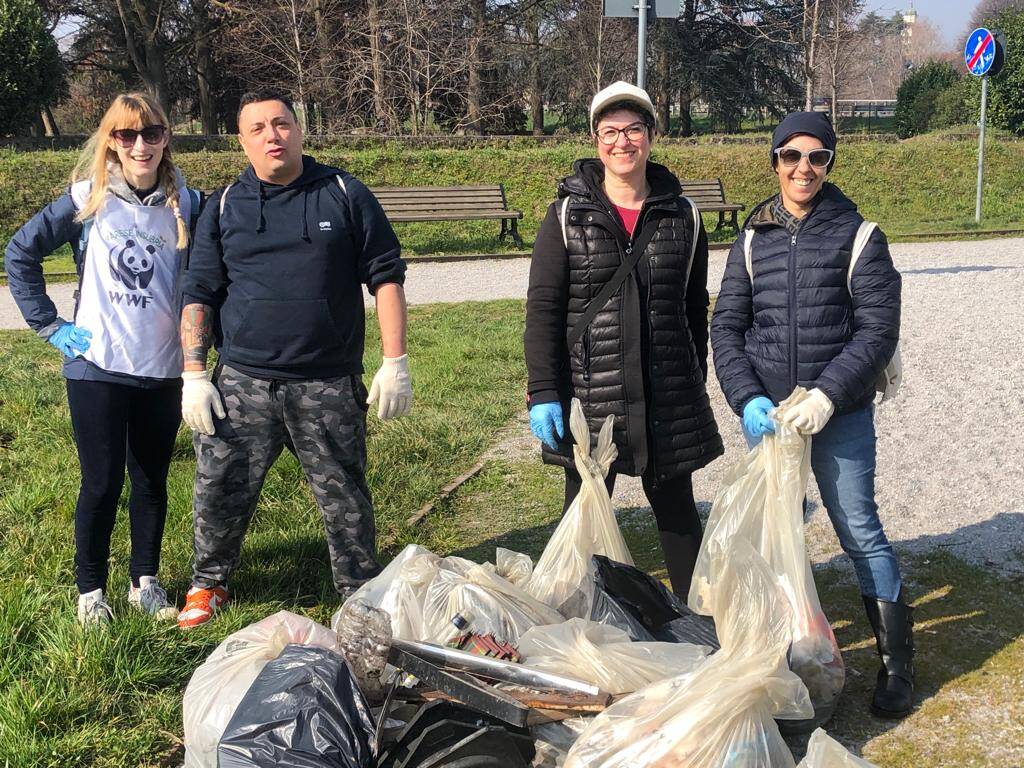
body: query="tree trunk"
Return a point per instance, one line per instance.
(663, 96)
(685, 105)
(145, 48)
(49, 124)
(204, 69)
(809, 51)
(536, 76)
(376, 63)
(474, 86)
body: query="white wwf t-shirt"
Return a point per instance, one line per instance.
(128, 281)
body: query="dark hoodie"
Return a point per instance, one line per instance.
(283, 266)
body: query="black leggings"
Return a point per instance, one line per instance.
(115, 424)
(675, 510)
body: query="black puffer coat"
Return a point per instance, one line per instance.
(643, 359)
(799, 324)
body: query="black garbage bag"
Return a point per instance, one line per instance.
(643, 607)
(304, 710)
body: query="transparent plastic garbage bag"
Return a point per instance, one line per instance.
(563, 577)
(490, 604)
(400, 590)
(721, 713)
(605, 655)
(514, 566)
(761, 501)
(218, 685)
(825, 752)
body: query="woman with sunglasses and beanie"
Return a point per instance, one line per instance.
(790, 313)
(616, 315)
(126, 216)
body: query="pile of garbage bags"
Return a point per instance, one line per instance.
(700, 684)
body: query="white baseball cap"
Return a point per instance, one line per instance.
(620, 91)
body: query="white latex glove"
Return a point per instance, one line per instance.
(200, 400)
(811, 415)
(393, 387)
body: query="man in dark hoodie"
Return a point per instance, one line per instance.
(274, 279)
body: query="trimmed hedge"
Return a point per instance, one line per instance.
(926, 183)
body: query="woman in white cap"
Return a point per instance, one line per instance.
(616, 315)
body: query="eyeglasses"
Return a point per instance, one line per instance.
(633, 133)
(151, 134)
(790, 156)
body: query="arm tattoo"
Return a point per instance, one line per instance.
(196, 335)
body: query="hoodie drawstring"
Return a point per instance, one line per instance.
(305, 224)
(261, 227)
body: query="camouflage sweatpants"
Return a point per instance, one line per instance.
(324, 421)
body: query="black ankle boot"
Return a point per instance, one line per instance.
(894, 635)
(681, 552)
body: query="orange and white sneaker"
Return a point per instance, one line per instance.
(200, 605)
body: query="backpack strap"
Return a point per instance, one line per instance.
(693, 245)
(341, 184)
(562, 211)
(223, 199)
(748, 242)
(864, 232)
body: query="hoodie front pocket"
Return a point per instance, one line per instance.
(290, 332)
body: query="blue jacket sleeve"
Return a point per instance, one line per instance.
(44, 233)
(205, 279)
(379, 252)
(875, 287)
(733, 317)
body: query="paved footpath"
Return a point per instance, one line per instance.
(950, 446)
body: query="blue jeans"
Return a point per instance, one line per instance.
(843, 460)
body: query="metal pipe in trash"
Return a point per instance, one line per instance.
(495, 669)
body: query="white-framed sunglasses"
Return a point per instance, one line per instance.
(790, 156)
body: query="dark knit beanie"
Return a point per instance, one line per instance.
(814, 124)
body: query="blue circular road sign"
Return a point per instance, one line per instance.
(980, 52)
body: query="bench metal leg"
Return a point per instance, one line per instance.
(510, 227)
(734, 224)
(721, 220)
(515, 233)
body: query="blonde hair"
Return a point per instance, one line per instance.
(128, 110)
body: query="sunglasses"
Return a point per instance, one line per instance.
(151, 134)
(790, 156)
(633, 132)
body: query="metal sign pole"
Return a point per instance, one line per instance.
(641, 43)
(981, 148)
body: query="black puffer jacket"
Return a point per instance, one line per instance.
(799, 324)
(644, 357)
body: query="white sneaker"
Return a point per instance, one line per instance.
(149, 597)
(93, 609)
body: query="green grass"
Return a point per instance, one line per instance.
(114, 699)
(922, 184)
(969, 633)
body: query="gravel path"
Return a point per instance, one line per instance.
(951, 446)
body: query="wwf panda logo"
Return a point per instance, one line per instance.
(132, 264)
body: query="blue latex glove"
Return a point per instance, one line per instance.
(546, 422)
(755, 417)
(70, 339)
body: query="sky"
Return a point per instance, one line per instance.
(950, 16)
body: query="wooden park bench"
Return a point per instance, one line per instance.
(709, 196)
(451, 204)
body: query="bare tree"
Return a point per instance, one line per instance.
(839, 48)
